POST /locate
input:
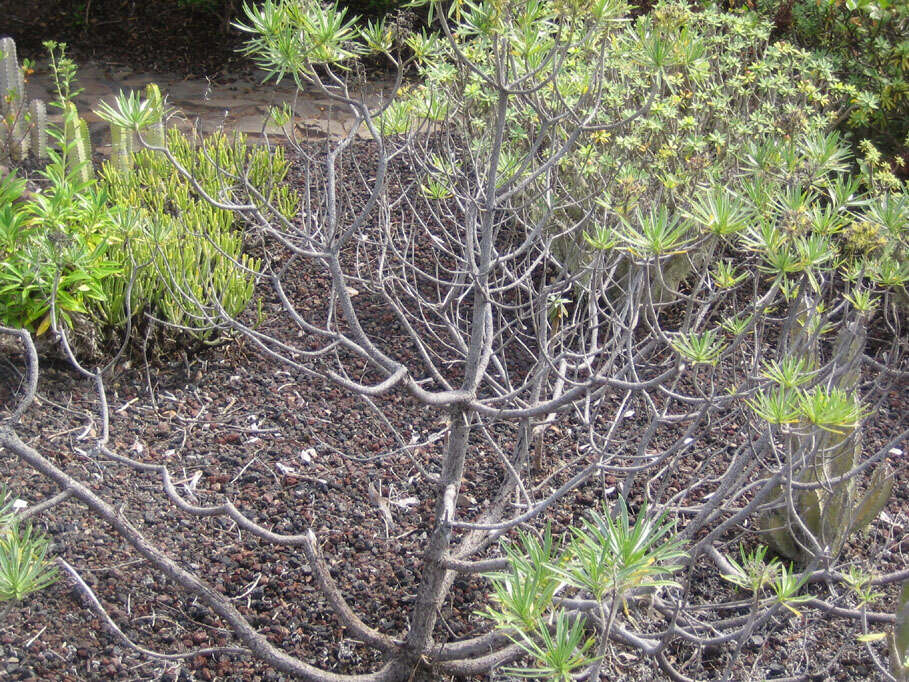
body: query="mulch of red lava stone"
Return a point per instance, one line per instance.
(294, 453)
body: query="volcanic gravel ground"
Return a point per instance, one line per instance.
(294, 453)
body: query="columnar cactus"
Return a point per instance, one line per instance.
(23, 123)
(38, 114)
(12, 96)
(10, 82)
(78, 145)
(833, 512)
(155, 133)
(123, 147)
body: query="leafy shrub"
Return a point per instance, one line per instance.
(867, 41)
(53, 248)
(81, 245)
(464, 259)
(188, 254)
(606, 558)
(681, 94)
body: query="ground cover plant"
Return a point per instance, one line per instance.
(134, 241)
(603, 405)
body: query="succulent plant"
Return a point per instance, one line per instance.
(23, 124)
(833, 511)
(77, 142)
(123, 147)
(10, 75)
(12, 94)
(155, 133)
(38, 113)
(124, 141)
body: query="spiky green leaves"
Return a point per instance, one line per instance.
(607, 556)
(754, 573)
(786, 587)
(831, 409)
(523, 594)
(789, 373)
(558, 651)
(292, 38)
(24, 568)
(699, 348)
(719, 212)
(612, 556)
(129, 111)
(654, 234)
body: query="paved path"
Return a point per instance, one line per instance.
(231, 103)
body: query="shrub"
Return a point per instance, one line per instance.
(81, 244)
(697, 89)
(866, 42)
(188, 255)
(53, 249)
(702, 412)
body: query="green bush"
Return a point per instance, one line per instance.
(24, 568)
(81, 245)
(188, 255)
(364, 8)
(683, 97)
(867, 41)
(53, 247)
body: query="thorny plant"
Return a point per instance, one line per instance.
(23, 122)
(639, 384)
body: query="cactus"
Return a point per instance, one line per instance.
(123, 147)
(155, 133)
(24, 123)
(77, 143)
(12, 99)
(832, 512)
(10, 75)
(38, 113)
(124, 140)
(899, 638)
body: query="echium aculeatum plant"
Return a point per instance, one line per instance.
(23, 122)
